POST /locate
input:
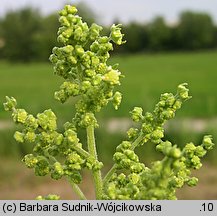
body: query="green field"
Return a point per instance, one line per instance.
(146, 77)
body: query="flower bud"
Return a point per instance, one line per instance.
(70, 89)
(20, 116)
(30, 160)
(62, 39)
(60, 96)
(30, 136)
(42, 166)
(134, 178)
(71, 136)
(175, 153)
(94, 61)
(176, 182)
(67, 33)
(96, 80)
(70, 9)
(57, 171)
(207, 142)
(112, 77)
(79, 50)
(116, 35)
(94, 47)
(192, 181)
(64, 22)
(97, 166)
(47, 120)
(147, 128)
(132, 133)
(76, 177)
(131, 155)
(88, 119)
(137, 167)
(90, 73)
(123, 146)
(200, 151)
(122, 179)
(94, 31)
(182, 91)
(189, 149)
(125, 163)
(72, 60)
(177, 105)
(136, 114)
(31, 122)
(78, 33)
(148, 117)
(63, 12)
(68, 49)
(118, 156)
(19, 137)
(157, 134)
(58, 139)
(164, 147)
(117, 100)
(170, 100)
(196, 162)
(10, 103)
(85, 85)
(168, 114)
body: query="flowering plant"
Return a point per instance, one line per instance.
(82, 61)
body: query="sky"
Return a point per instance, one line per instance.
(122, 10)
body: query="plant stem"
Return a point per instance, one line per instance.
(81, 151)
(114, 167)
(77, 190)
(92, 151)
(137, 141)
(109, 174)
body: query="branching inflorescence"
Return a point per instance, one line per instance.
(82, 62)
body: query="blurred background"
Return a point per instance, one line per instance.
(167, 43)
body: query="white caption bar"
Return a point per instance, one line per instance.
(109, 207)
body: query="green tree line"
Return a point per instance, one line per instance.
(26, 35)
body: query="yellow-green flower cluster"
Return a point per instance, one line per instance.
(152, 123)
(50, 145)
(132, 179)
(82, 62)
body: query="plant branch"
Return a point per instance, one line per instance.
(137, 141)
(81, 151)
(77, 189)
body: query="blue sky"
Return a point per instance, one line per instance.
(123, 10)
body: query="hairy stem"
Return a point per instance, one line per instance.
(137, 141)
(109, 174)
(77, 190)
(92, 151)
(81, 151)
